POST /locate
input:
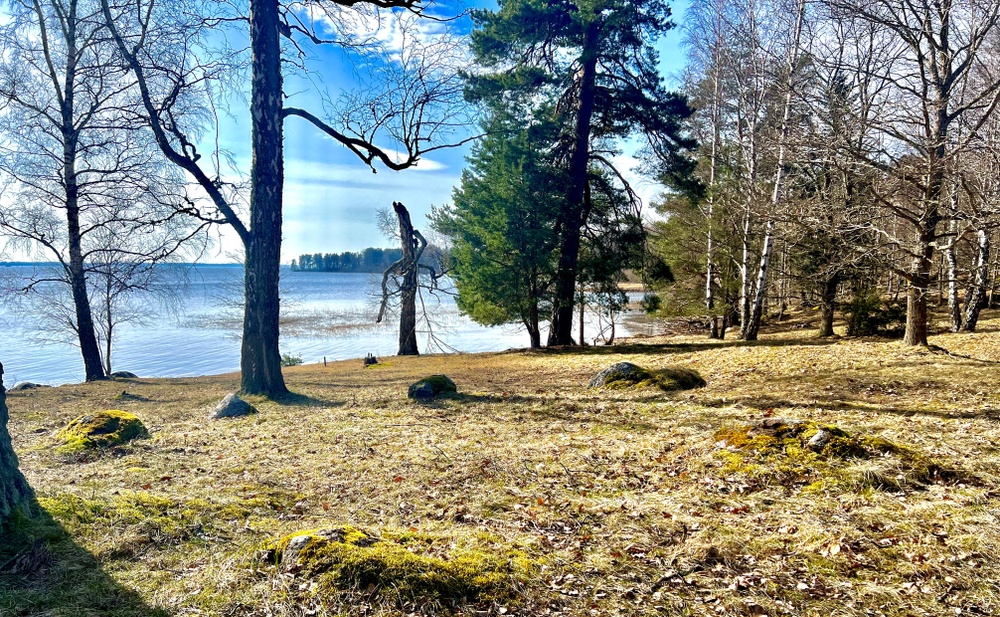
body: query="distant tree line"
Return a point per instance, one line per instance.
(368, 260)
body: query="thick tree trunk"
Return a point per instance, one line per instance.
(408, 286)
(916, 296)
(829, 306)
(15, 494)
(260, 360)
(561, 331)
(975, 300)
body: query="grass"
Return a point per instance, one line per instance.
(550, 497)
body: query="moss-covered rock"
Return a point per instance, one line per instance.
(628, 375)
(432, 386)
(791, 451)
(345, 559)
(102, 429)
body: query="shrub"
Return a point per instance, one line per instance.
(868, 315)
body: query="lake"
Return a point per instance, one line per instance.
(196, 329)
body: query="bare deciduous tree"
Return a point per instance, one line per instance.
(414, 113)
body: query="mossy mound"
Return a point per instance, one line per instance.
(789, 452)
(432, 386)
(345, 561)
(103, 429)
(628, 375)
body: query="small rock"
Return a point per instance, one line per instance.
(820, 439)
(232, 407)
(776, 423)
(290, 556)
(432, 386)
(27, 385)
(124, 375)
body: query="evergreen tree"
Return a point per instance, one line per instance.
(593, 65)
(503, 226)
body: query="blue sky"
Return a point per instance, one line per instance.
(331, 198)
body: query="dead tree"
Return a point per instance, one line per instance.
(406, 273)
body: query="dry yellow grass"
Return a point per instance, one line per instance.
(625, 501)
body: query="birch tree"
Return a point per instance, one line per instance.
(933, 52)
(84, 185)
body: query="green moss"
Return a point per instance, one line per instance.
(678, 378)
(782, 452)
(667, 379)
(103, 429)
(344, 560)
(432, 386)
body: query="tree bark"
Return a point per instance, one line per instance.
(15, 494)
(408, 287)
(975, 300)
(534, 331)
(260, 360)
(751, 329)
(561, 330)
(916, 297)
(829, 306)
(954, 308)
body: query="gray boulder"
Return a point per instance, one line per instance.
(620, 373)
(27, 385)
(432, 386)
(233, 407)
(124, 375)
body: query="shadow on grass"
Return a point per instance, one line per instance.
(44, 572)
(669, 348)
(304, 400)
(767, 403)
(563, 410)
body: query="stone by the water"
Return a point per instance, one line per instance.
(27, 385)
(124, 375)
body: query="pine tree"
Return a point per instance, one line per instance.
(503, 225)
(593, 66)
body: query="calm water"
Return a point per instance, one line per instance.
(197, 330)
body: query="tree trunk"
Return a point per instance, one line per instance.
(408, 286)
(951, 262)
(260, 360)
(752, 328)
(975, 300)
(561, 330)
(829, 306)
(89, 347)
(15, 494)
(745, 291)
(534, 331)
